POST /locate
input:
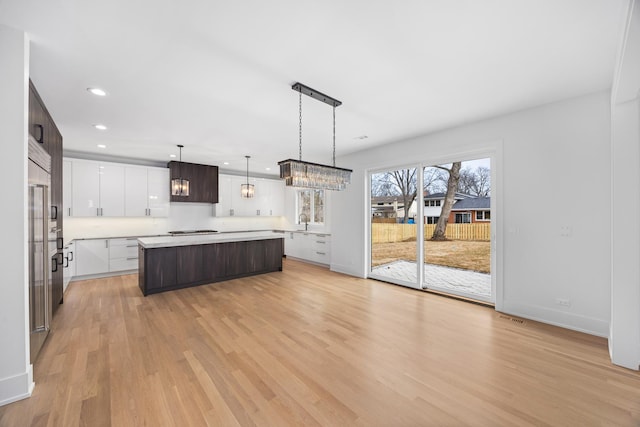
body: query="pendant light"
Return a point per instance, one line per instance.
(247, 190)
(297, 173)
(180, 186)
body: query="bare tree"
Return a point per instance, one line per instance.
(452, 187)
(401, 182)
(475, 182)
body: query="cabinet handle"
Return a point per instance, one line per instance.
(321, 253)
(231, 212)
(54, 213)
(67, 264)
(54, 259)
(97, 211)
(132, 246)
(101, 212)
(40, 138)
(132, 258)
(106, 244)
(61, 255)
(258, 212)
(60, 243)
(320, 241)
(69, 211)
(70, 256)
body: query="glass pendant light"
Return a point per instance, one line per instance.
(247, 190)
(180, 186)
(297, 173)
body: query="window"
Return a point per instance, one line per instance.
(463, 218)
(483, 215)
(432, 202)
(310, 203)
(431, 219)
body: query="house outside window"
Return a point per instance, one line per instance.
(483, 215)
(431, 219)
(463, 218)
(311, 204)
(433, 202)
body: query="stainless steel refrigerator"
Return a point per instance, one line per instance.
(42, 246)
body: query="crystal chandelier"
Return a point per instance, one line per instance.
(297, 173)
(247, 190)
(179, 186)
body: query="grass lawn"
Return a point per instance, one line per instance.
(469, 255)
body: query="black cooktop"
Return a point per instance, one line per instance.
(182, 232)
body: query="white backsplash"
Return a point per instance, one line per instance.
(182, 216)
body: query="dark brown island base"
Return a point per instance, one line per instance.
(168, 263)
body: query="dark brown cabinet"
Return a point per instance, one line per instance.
(203, 181)
(43, 129)
(163, 269)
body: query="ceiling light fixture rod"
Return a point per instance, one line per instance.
(299, 87)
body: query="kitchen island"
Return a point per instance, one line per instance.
(173, 262)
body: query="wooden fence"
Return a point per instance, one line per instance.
(389, 233)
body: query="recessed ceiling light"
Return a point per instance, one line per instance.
(268, 169)
(97, 91)
(100, 127)
(102, 146)
(173, 156)
(226, 163)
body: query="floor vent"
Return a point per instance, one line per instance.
(514, 320)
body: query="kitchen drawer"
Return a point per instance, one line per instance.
(321, 256)
(131, 250)
(321, 244)
(122, 264)
(126, 241)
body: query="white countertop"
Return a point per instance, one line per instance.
(171, 241)
(321, 233)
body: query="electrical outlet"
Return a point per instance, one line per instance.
(565, 231)
(564, 302)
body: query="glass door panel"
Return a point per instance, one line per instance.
(457, 229)
(393, 227)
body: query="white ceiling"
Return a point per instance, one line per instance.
(216, 76)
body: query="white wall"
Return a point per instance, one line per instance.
(624, 340)
(559, 154)
(15, 371)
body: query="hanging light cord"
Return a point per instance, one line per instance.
(247, 172)
(300, 127)
(334, 136)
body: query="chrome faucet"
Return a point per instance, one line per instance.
(306, 220)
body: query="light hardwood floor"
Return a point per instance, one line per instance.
(310, 347)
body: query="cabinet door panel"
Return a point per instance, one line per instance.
(225, 204)
(256, 255)
(189, 262)
(160, 268)
(111, 190)
(135, 191)
(92, 257)
(234, 258)
(211, 260)
(67, 179)
(274, 249)
(85, 192)
(158, 191)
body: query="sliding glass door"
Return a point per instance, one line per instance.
(430, 227)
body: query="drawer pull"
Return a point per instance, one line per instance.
(132, 246)
(321, 241)
(131, 258)
(321, 253)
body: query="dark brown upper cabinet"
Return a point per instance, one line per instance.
(203, 182)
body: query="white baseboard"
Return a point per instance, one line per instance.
(17, 387)
(346, 269)
(103, 275)
(560, 318)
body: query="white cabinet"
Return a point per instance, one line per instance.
(97, 189)
(146, 191)
(314, 247)
(102, 256)
(69, 264)
(67, 178)
(268, 199)
(158, 191)
(92, 256)
(123, 254)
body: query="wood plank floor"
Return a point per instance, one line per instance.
(309, 347)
